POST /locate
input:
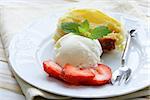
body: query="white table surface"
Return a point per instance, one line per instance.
(13, 91)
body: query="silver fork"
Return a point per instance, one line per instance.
(123, 73)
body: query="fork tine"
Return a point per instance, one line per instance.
(114, 80)
(118, 79)
(122, 79)
(127, 80)
(114, 77)
(128, 77)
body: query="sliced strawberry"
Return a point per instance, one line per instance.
(86, 76)
(52, 69)
(75, 75)
(102, 74)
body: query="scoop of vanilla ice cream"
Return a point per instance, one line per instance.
(78, 51)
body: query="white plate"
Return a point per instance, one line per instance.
(29, 48)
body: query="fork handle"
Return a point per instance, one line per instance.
(126, 49)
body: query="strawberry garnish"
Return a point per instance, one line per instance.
(102, 75)
(52, 69)
(75, 75)
(86, 76)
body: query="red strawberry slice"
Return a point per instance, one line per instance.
(52, 69)
(102, 74)
(86, 76)
(75, 75)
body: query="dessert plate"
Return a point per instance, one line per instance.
(33, 45)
